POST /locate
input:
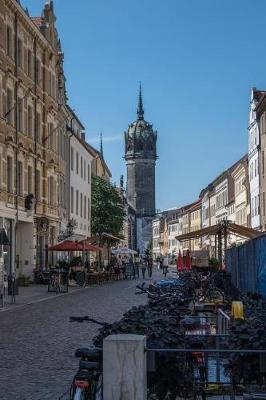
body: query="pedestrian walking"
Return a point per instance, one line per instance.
(143, 269)
(165, 265)
(150, 265)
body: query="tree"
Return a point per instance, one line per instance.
(107, 210)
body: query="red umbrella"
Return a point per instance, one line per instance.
(180, 263)
(66, 245)
(188, 264)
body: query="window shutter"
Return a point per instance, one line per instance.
(4, 172)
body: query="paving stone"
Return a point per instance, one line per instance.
(37, 342)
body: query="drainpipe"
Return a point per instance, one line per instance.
(69, 165)
(259, 172)
(13, 255)
(35, 123)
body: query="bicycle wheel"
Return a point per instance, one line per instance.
(215, 295)
(98, 393)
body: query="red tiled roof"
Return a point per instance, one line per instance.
(38, 21)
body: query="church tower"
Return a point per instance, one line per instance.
(140, 156)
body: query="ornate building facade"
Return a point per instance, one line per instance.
(29, 60)
(140, 156)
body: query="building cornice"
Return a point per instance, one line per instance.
(26, 19)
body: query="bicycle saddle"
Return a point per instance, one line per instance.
(88, 365)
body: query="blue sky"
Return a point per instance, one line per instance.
(197, 61)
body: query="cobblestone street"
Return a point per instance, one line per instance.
(37, 342)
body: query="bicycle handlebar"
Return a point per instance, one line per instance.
(88, 319)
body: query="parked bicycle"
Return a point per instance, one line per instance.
(87, 382)
(58, 281)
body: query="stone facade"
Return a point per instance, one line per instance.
(254, 158)
(29, 161)
(260, 208)
(36, 130)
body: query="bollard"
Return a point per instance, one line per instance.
(124, 368)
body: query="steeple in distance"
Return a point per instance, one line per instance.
(101, 144)
(140, 110)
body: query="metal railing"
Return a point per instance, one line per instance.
(223, 322)
(212, 369)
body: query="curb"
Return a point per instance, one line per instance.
(15, 307)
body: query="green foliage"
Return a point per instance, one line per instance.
(107, 210)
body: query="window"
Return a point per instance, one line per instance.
(9, 42)
(29, 179)
(81, 204)
(77, 162)
(89, 209)
(38, 72)
(85, 207)
(81, 166)
(20, 179)
(72, 199)
(51, 190)
(77, 202)
(29, 121)
(51, 136)
(89, 173)
(20, 115)
(38, 185)
(29, 63)
(84, 170)
(71, 158)
(64, 194)
(10, 174)
(20, 52)
(263, 203)
(9, 106)
(38, 128)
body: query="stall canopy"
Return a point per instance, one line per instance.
(87, 246)
(124, 250)
(238, 230)
(221, 232)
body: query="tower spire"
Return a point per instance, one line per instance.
(140, 110)
(101, 144)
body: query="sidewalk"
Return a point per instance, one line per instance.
(34, 294)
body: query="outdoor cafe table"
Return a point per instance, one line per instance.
(98, 278)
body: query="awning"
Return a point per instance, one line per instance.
(87, 246)
(96, 238)
(238, 230)
(124, 250)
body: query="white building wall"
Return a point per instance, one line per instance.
(205, 211)
(173, 244)
(80, 187)
(156, 238)
(253, 164)
(221, 199)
